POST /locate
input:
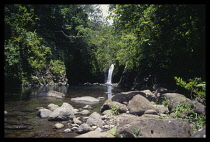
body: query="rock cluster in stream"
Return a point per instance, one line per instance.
(139, 116)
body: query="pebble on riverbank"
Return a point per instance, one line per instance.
(59, 125)
(67, 130)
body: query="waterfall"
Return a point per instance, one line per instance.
(109, 79)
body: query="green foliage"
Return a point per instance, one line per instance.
(165, 102)
(144, 37)
(182, 108)
(24, 51)
(11, 51)
(198, 121)
(33, 36)
(57, 67)
(18, 16)
(195, 86)
(115, 109)
(156, 38)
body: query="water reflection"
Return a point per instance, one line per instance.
(62, 89)
(109, 91)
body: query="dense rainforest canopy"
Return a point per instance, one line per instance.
(148, 40)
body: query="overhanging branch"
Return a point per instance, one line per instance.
(69, 36)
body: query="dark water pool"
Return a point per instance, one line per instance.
(21, 104)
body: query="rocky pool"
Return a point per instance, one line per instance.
(21, 106)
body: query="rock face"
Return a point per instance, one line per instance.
(156, 128)
(95, 119)
(85, 100)
(51, 94)
(65, 112)
(138, 105)
(44, 113)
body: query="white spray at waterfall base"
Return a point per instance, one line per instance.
(109, 79)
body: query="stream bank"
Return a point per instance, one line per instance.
(21, 106)
(114, 116)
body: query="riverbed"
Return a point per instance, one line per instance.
(21, 106)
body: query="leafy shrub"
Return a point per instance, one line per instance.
(197, 121)
(165, 103)
(196, 87)
(115, 109)
(182, 108)
(57, 67)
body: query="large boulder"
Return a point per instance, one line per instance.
(44, 113)
(95, 120)
(109, 104)
(65, 112)
(85, 100)
(125, 97)
(55, 94)
(156, 128)
(174, 100)
(138, 105)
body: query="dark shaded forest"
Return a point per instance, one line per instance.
(149, 43)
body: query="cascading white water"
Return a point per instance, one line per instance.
(109, 79)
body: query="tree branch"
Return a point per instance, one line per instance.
(69, 36)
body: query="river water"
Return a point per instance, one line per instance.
(21, 104)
